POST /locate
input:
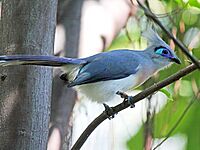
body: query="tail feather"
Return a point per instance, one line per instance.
(38, 60)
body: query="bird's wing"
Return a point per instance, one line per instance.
(106, 67)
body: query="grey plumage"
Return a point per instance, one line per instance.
(107, 66)
(100, 76)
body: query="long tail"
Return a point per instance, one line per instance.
(38, 60)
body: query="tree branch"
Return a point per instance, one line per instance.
(103, 116)
(152, 16)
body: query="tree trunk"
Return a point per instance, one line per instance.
(63, 98)
(26, 27)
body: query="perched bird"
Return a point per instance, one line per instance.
(100, 76)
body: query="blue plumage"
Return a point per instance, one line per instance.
(100, 76)
(39, 60)
(107, 66)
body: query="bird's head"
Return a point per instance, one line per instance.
(160, 52)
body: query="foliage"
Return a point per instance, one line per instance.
(183, 19)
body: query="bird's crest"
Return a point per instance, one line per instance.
(152, 37)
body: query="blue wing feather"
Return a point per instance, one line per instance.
(107, 66)
(101, 67)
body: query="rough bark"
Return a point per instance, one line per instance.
(26, 27)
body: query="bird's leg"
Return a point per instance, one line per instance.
(122, 95)
(126, 98)
(109, 111)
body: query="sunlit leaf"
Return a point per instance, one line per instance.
(189, 17)
(195, 3)
(185, 88)
(192, 38)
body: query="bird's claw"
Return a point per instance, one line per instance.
(122, 95)
(126, 98)
(109, 111)
(132, 105)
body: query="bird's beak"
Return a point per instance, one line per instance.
(176, 60)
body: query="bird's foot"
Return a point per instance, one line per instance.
(109, 111)
(122, 95)
(126, 98)
(132, 105)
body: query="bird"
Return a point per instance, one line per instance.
(99, 77)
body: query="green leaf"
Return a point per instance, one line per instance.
(189, 17)
(185, 88)
(137, 141)
(194, 3)
(167, 93)
(192, 38)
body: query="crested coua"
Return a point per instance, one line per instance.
(100, 76)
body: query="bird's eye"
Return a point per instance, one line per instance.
(162, 51)
(165, 52)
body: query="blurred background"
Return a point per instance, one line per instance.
(104, 25)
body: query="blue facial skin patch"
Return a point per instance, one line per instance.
(163, 52)
(159, 51)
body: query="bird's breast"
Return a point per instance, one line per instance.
(106, 90)
(144, 74)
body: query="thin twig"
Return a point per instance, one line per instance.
(176, 124)
(173, 12)
(103, 116)
(152, 16)
(128, 35)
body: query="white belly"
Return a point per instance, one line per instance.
(106, 90)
